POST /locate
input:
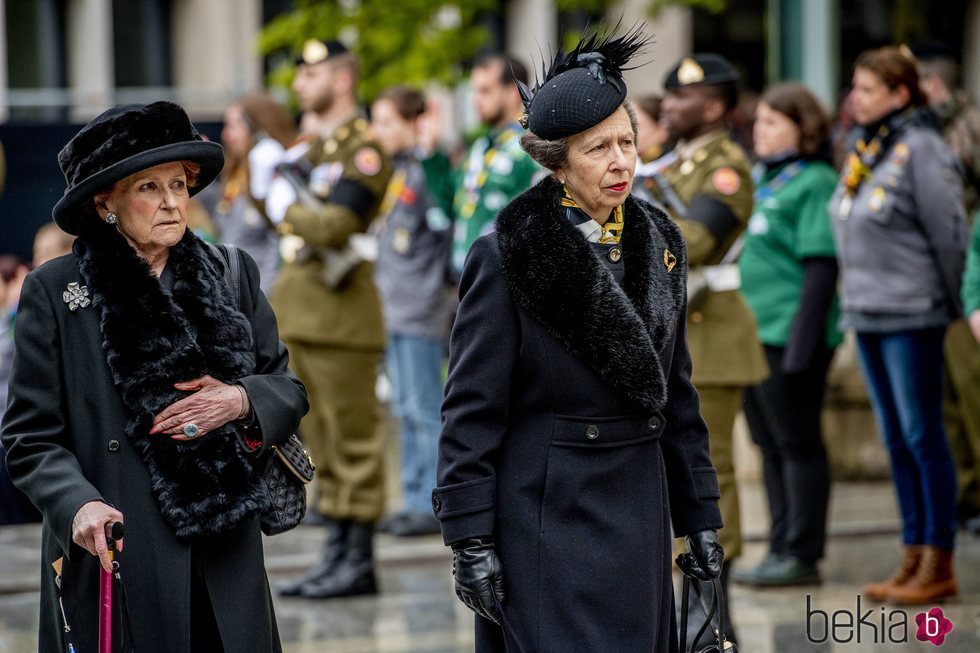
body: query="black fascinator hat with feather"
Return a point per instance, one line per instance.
(582, 87)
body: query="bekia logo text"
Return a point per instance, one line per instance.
(877, 625)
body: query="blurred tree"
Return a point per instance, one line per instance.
(402, 42)
(712, 6)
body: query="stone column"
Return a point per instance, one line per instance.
(90, 59)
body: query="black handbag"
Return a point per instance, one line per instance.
(717, 641)
(288, 466)
(287, 473)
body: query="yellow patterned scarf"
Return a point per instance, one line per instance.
(612, 231)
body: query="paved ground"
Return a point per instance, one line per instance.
(418, 613)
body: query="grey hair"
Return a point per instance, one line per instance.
(554, 154)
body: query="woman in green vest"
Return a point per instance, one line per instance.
(789, 273)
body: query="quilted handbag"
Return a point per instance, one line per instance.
(287, 473)
(289, 468)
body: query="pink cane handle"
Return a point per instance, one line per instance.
(105, 611)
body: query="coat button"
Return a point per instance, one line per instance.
(113, 446)
(592, 432)
(653, 423)
(697, 317)
(436, 503)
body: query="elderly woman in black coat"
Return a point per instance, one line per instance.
(143, 392)
(571, 432)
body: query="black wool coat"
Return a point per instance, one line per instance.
(571, 431)
(66, 434)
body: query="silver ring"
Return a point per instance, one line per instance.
(191, 430)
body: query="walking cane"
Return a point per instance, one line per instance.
(114, 533)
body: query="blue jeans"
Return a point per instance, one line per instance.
(904, 371)
(415, 370)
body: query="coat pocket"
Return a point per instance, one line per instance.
(603, 432)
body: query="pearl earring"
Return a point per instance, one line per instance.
(110, 217)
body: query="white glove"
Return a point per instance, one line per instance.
(262, 162)
(280, 197)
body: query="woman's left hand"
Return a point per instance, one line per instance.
(213, 404)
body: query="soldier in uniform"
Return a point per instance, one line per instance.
(330, 316)
(707, 189)
(496, 169)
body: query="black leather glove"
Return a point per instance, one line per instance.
(705, 555)
(479, 577)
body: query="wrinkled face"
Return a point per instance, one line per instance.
(685, 109)
(314, 86)
(236, 135)
(599, 170)
(151, 206)
(773, 132)
(394, 133)
(489, 93)
(871, 99)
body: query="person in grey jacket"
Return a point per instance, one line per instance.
(901, 234)
(411, 275)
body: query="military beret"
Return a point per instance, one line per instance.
(701, 69)
(317, 51)
(581, 88)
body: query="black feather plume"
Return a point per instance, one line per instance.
(602, 53)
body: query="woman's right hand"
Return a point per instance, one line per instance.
(88, 530)
(479, 577)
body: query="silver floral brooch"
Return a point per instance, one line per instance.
(76, 296)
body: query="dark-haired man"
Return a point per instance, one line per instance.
(330, 317)
(496, 169)
(707, 189)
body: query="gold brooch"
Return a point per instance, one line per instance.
(670, 261)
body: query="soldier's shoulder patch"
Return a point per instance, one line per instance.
(367, 160)
(726, 180)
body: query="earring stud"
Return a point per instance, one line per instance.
(110, 217)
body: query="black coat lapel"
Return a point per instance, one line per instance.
(153, 339)
(554, 274)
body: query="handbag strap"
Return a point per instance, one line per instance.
(716, 606)
(231, 263)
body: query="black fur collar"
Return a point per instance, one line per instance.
(553, 272)
(152, 340)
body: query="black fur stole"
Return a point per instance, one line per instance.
(555, 274)
(152, 340)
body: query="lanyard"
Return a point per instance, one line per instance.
(769, 189)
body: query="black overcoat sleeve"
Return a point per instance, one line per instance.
(277, 396)
(691, 478)
(483, 357)
(35, 434)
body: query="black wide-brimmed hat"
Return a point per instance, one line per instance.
(583, 87)
(123, 141)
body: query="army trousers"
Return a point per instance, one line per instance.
(341, 431)
(719, 406)
(961, 413)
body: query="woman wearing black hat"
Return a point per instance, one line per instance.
(569, 411)
(142, 393)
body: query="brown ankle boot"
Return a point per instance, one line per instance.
(911, 555)
(932, 582)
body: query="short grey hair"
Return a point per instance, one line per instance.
(554, 154)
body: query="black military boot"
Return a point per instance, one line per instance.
(334, 551)
(354, 574)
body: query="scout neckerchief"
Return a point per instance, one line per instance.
(478, 166)
(767, 190)
(611, 232)
(866, 155)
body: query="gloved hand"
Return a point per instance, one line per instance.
(705, 555)
(479, 577)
